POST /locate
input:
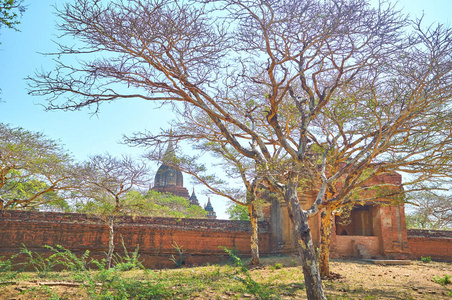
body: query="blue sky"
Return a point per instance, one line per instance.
(84, 134)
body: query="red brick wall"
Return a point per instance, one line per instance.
(200, 238)
(344, 246)
(434, 243)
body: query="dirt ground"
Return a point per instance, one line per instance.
(415, 281)
(355, 280)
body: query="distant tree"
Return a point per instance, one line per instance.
(106, 182)
(10, 10)
(155, 204)
(33, 169)
(238, 212)
(340, 92)
(430, 210)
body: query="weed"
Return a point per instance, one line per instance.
(426, 259)
(6, 265)
(443, 280)
(250, 285)
(67, 259)
(5, 268)
(32, 291)
(180, 260)
(40, 264)
(127, 262)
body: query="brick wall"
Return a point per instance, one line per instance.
(345, 246)
(434, 243)
(200, 238)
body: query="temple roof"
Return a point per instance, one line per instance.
(167, 178)
(209, 206)
(193, 199)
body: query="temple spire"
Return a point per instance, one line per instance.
(169, 179)
(193, 199)
(170, 153)
(209, 209)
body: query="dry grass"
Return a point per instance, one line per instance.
(358, 280)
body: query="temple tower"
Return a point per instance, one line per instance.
(209, 209)
(168, 179)
(193, 199)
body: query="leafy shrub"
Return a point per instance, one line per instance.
(67, 259)
(42, 265)
(426, 259)
(128, 261)
(6, 265)
(5, 268)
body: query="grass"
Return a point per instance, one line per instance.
(278, 278)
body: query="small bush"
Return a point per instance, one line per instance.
(426, 259)
(42, 265)
(6, 265)
(68, 260)
(127, 262)
(5, 268)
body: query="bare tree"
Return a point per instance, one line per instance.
(106, 182)
(339, 92)
(226, 158)
(430, 210)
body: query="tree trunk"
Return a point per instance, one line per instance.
(325, 242)
(111, 244)
(313, 283)
(254, 235)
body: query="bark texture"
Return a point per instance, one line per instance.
(254, 235)
(111, 244)
(325, 242)
(313, 283)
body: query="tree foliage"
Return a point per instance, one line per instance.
(238, 212)
(33, 169)
(10, 10)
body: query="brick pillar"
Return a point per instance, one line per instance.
(282, 238)
(393, 232)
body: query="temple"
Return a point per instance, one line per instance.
(171, 180)
(168, 179)
(209, 209)
(373, 231)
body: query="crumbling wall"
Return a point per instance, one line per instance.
(200, 238)
(434, 243)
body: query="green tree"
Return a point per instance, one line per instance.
(10, 10)
(155, 204)
(34, 170)
(319, 95)
(238, 212)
